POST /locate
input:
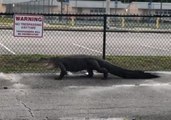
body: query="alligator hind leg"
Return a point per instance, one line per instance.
(90, 73)
(95, 66)
(62, 74)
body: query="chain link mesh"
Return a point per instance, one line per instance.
(132, 42)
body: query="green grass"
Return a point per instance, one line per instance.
(150, 63)
(118, 23)
(6, 20)
(21, 64)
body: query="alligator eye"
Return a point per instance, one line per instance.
(48, 65)
(45, 64)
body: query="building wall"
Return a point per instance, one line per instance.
(133, 9)
(119, 11)
(83, 7)
(2, 8)
(84, 10)
(55, 10)
(67, 9)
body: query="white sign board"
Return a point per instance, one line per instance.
(28, 26)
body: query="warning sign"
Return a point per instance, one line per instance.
(28, 26)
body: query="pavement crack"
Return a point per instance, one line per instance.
(29, 109)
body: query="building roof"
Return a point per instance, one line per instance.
(44, 2)
(154, 5)
(102, 4)
(96, 4)
(32, 2)
(90, 4)
(13, 1)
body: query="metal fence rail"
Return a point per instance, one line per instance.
(130, 41)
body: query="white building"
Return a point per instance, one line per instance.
(83, 7)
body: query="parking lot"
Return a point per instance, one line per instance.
(39, 97)
(32, 96)
(64, 43)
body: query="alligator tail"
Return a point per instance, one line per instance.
(125, 73)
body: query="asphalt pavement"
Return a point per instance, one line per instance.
(31, 96)
(37, 96)
(91, 43)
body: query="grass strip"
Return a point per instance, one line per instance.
(21, 64)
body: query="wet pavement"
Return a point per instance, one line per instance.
(31, 96)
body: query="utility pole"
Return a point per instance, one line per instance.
(116, 6)
(61, 4)
(149, 7)
(76, 9)
(107, 12)
(149, 11)
(60, 17)
(161, 7)
(107, 6)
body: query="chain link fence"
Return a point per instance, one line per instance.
(129, 41)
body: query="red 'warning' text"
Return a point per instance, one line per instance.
(27, 18)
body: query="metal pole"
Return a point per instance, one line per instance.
(107, 6)
(48, 6)
(116, 5)
(60, 17)
(107, 12)
(61, 6)
(76, 7)
(104, 37)
(13, 8)
(27, 7)
(149, 11)
(51, 5)
(149, 7)
(161, 5)
(43, 6)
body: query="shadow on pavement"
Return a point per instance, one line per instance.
(46, 80)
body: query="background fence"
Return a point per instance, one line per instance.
(129, 41)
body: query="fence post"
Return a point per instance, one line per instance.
(104, 36)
